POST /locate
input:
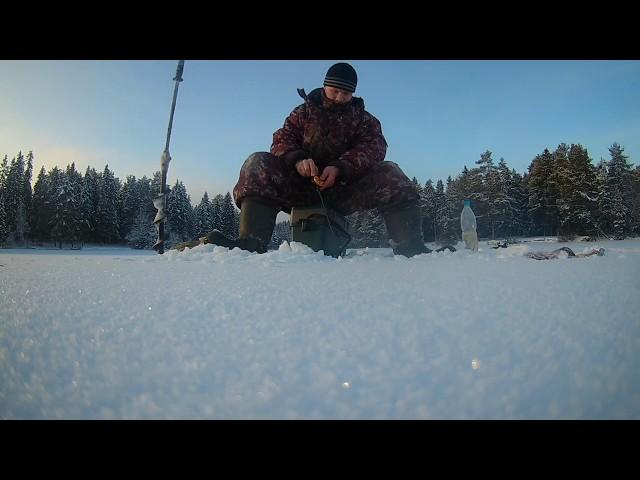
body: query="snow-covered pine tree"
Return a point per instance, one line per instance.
(535, 191)
(577, 193)
(203, 216)
(620, 191)
(563, 184)
(450, 220)
(518, 195)
(464, 183)
(542, 193)
(21, 221)
(421, 199)
(440, 210)
(191, 219)
(14, 197)
(4, 171)
(128, 206)
(90, 195)
(489, 205)
(367, 231)
(228, 217)
(216, 211)
(180, 213)
(27, 193)
(420, 191)
(353, 221)
(381, 227)
(373, 230)
(281, 233)
(73, 213)
(429, 212)
(144, 197)
(118, 205)
(485, 164)
(39, 218)
(635, 206)
(107, 209)
(56, 201)
(143, 232)
(500, 213)
(601, 220)
(481, 194)
(4, 228)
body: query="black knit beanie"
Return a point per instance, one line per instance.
(343, 76)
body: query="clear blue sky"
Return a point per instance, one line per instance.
(437, 116)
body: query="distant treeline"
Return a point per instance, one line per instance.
(67, 207)
(562, 194)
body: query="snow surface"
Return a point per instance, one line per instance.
(109, 333)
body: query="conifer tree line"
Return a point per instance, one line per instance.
(66, 207)
(563, 193)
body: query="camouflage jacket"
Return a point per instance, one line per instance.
(345, 136)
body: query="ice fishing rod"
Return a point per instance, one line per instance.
(160, 202)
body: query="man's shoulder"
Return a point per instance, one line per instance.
(369, 117)
(298, 111)
(359, 107)
(299, 108)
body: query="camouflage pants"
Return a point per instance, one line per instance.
(266, 176)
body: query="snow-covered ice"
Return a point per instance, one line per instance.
(292, 334)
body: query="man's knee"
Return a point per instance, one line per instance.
(394, 186)
(390, 174)
(388, 168)
(258, 160)
(259, 176)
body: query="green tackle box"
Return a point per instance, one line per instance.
(320, 229)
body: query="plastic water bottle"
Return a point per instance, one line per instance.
(468, 224)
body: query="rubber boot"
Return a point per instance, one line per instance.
(405, 230)
(257, 221)
(404, 226)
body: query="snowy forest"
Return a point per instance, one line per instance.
(563, 193)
